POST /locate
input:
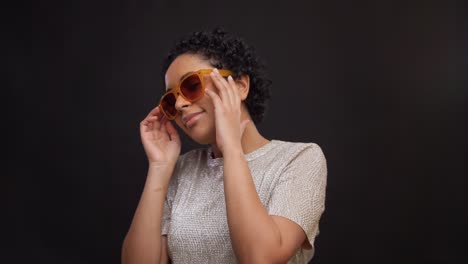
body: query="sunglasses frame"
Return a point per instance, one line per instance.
(176, 91)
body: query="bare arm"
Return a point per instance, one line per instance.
(164, 251)
(143, 242)
(256, 236)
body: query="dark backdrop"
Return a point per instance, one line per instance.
(374, 83)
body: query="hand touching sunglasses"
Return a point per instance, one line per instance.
(191, 88)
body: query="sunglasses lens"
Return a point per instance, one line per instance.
(168, 105)
(191, 87)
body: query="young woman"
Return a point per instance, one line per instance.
(243, 198)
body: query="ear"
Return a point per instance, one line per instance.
(243, 83)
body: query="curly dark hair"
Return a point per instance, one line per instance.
(226, 51)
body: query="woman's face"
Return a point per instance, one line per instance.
(200, 125)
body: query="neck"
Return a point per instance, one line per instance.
(251, 141)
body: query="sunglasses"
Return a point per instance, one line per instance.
(191, 88)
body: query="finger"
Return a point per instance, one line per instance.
(229, 92)
(218, 104)
(174, 135)
(234, 91)
(228, 87)
(146, 125)
(156, 112)
(143, 126)
(163, 125)
(155, 122)
(221, 85)
(151, 120)
(148, 122)
(153, 111)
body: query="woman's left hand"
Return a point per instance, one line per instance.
(227, 104)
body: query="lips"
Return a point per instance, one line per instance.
(189, 119)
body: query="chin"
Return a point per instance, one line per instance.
(201, 134)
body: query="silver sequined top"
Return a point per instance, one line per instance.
(290, 179)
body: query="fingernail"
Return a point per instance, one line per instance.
(216, 70)
(230, 77)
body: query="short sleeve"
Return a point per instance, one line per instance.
(300, 192)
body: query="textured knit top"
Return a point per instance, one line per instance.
(290, 179)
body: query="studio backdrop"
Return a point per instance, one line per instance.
(372, 82)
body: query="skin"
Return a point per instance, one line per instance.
(224, 122)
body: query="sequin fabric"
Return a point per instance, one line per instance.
(290, 179)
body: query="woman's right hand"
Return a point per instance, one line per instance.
(160, 139)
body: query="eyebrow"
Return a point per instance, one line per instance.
(181, 77)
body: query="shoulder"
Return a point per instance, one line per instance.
(304, 162)
(307, 151)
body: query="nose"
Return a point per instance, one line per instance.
(181, 103)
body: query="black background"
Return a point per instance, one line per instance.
(376, 84)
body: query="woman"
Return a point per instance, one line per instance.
(244, 198)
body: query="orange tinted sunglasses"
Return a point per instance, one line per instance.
(191, 88)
